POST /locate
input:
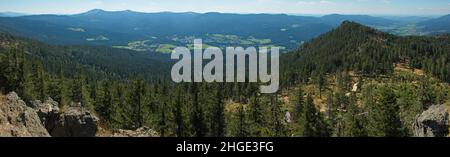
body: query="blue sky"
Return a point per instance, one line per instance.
(372, 7)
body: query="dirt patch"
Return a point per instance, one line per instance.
(232, 107)
(406, 68)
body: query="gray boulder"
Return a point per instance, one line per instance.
(48, 111)
(74, 122)
(434, 122)
(19, 120)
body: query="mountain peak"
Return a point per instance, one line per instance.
(94, 11)
(347, 23)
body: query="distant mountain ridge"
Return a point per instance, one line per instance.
(11, 14)
(337, 19)
(441, 24)
(138, 30)
(122, 27)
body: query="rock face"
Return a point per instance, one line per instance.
(74, 122)
(44, 119)
(140, 132)
(19, 120)
(434, 122)
(48, 111)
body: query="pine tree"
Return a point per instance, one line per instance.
(106, 102)
(78, 83)
(218, 122)
(393, 125)
(242, 129)
(299, 104)
(383, 119)
(256, 116)
(162, 124)
(179, 116)
(278, 128)
(309, 113)
(354, 120)
(410, 106)
(38, 81)
(313, 124)
(137, 103)
(14, 71)
(198, 119)
(119, 118)
(427, 97)
(320, 81)
(57, 89)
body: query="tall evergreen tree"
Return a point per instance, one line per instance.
(299, 104)
(354, 120)
(106, 101)
(383, 119)
(180, 129)
(137, 100)
(314, 124)
(197, 115)
(218, 122)
(277, 128)
(242, 129)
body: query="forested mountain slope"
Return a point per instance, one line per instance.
(354, 47)
(98, 61)
(441, 24)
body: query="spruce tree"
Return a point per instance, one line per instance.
(218, 122)
(354, 120)
(197, 115)
(137, 101)
(242, 129)
(180, 128)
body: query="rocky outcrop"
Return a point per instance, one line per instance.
(19, 120)
(434, 122)
(48, 111)
(75, 121)
(140, 132)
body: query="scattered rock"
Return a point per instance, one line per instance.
(432, 123)
(287, 117)
(355, 87)
(19, 120)
(140, 132)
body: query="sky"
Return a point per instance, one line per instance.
(319, 7)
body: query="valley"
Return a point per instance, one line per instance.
(156, 32)
(340, 75)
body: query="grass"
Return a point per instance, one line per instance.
(144, 45)
(165, 48)
(260, 41)
(191, 46)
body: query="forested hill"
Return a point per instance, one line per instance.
(441, 24)
(354, 47)
(96, 61)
